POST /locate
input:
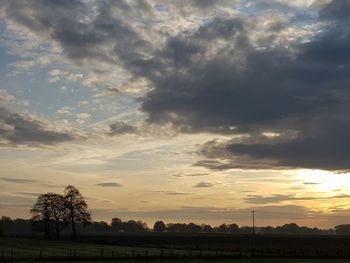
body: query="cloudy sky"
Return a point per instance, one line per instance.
(186, 110)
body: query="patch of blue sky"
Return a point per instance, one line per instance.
(43, 97)
(115, 108)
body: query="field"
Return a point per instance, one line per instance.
(30, 249)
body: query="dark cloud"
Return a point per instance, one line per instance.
(110, 184)
(17, 180)
(215, 78)
(204, 185)
(300, 93)
(336, 9)
(17, 129)
(84, 31)
(121, 127)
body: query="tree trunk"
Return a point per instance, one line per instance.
(47, 223)
(58, 229)
(73, 221)
(57, 221)
(73, 228)
(48, 228)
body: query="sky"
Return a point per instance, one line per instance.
(183, 111)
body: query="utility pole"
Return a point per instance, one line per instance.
(253, 215)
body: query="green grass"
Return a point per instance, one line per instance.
(26, 250)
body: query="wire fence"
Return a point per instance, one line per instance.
(170, 253)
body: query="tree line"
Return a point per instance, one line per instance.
(30, 227)
(58, 211)
(53, 213)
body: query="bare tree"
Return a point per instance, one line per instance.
(41, 212)
(58, 210)
(77, 209)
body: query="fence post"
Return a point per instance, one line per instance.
(133, 253)
(101, 252)
(146, 253)
(190, 252)
(75, 253)
(2, 255)
(11, 255)
(200, 253)
(171, 252)
(112, 254)
(161, 253)
(40, 254)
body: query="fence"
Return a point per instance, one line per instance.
(170, 253)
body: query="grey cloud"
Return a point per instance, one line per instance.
(17, 129)
(110, 184)
(121, 127)
(257, 199)
(321, 144)
(85, 31)
(336, 9)
(167, 192)
(204, 185)
(301, 92)
(17, 180)
(191, 175)
(215, 79)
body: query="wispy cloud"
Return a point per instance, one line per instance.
(110, 184)
(18, 180)
(204, 185)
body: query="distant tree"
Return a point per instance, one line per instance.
(134, 226)
(193, 228)
(291, 228)
(206, 228)
(1, 229)
(41, 212)
(267, 230)
(77, 209)
(245, 230)
(233, 228)
(223, 228)
(159, 226)
(342, 229)
(116, 224)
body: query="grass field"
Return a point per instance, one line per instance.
(26, 250)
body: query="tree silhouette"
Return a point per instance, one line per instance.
(159, 226)
(77, 209)
(116, 224)
(58, 210)
(41, 212)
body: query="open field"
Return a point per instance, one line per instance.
(26, 249)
